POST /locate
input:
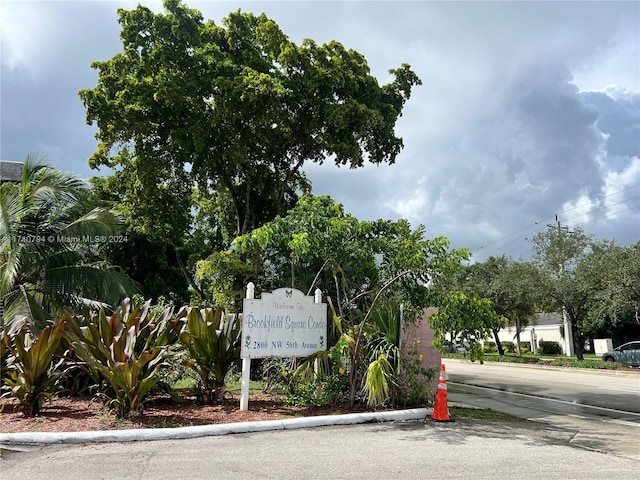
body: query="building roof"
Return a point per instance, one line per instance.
(541, 319)
(10, 171)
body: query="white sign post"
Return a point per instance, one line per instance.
(284, 323)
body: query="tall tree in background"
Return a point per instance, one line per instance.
(466, 319)
(512, 287)
(478, 280)
(237, 108)
(610, 273)
(558, 252)
(517, 293)
(48, 239)
(146, 257)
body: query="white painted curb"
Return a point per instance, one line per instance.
(149, 434)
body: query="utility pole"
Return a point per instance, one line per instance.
(568, 331)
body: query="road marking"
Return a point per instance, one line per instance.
(574, 403)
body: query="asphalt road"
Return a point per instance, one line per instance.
(601, 408)
(606, 389)
(407, 450)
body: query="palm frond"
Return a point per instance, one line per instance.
(97, 222)
(24, 303)
(47, 246)
(376, 385)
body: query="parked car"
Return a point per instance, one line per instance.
(629, 353)
(455, 347)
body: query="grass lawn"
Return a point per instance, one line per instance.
(590, 360)
(484, 414)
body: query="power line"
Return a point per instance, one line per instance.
(487, 253)
(537, 226)
(591, 202)
(604, 207)
(607, 216)
(507, 251)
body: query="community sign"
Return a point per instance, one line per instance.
(284, 323)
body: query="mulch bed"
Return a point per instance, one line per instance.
(85, 413)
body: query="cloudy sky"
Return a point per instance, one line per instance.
(527, 109)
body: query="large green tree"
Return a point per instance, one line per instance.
(145, 256)
(558, 252)
(479, 280)
(610, 274)
(48, 240)
(517, 294)
(239, 109)
(466, 319)
(511, 286)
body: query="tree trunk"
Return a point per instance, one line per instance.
(352, 383)
(185, 272)
(219, 389)
(498, 342)
(578, 343)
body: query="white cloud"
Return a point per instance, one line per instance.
(622, 190)
(615, 64)
(410, 205)
(22, 28)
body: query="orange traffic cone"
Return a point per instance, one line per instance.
(440, 409)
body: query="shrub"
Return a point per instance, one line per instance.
(490, 347)
(525, 347)
(549, 348)
(213, 342)
(318, 379)
(279, 374)
(129, 350)
(33, 377)
(324, 390)
(413, 382)
(507, 359)
(596, 363)
(509, 347)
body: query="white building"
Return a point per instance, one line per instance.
(542, 327)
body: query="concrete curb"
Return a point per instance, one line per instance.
(149, 434)
(589, 371)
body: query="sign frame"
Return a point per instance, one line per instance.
(283, 323)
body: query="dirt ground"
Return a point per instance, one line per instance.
(76, 414)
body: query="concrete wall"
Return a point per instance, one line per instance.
(547, 333)
(543, 327)
(421, 335)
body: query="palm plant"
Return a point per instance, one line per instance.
(48, 239)
(376, 384)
